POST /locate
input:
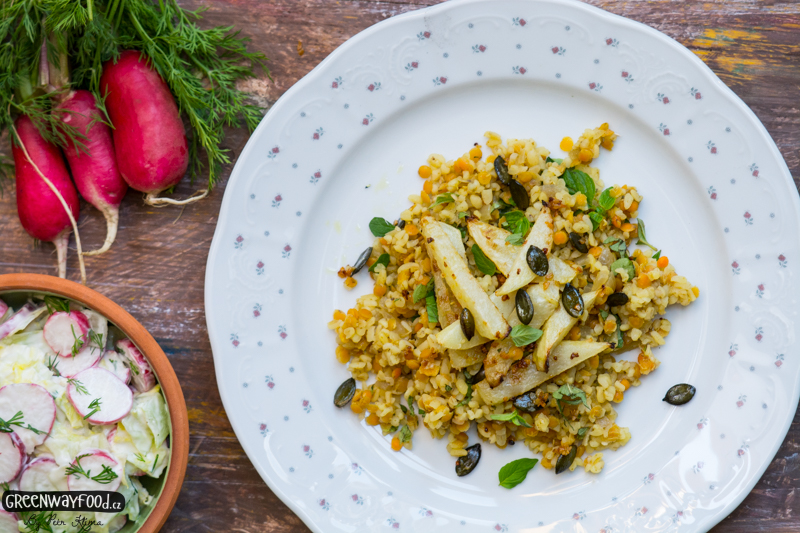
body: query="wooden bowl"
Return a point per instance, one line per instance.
(179, 438)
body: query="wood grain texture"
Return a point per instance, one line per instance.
(156, 268)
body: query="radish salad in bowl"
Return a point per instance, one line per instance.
(80, 409)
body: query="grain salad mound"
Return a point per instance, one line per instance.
(430, 345)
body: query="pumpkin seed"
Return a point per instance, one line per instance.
(467, 323)
(578, 242)
(572, 301)
(565, 461)
(537, 261)
(502, 170)
(524, 306)
(519, 194)
(617, 299)
(477, 378)
(467, 463)
(362, 260)
(526, 402)
(401, 224)
(680, 394)
(344, 393)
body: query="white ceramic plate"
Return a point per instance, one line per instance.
(343, 146)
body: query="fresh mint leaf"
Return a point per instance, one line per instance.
(382, 260)
(420, 292)
(627, 264)
(620, 338)
(380, 226)
(604, 314)
(483, 263)
(405, 434)
(404, 408)
(570, 395)
(657, 255)
(596, 219)
(516, 239)
(433, 310)
(517, 222)
(443, 199)
(605, 201)
(468, 397)
(553, 160)
(579, 181)
(642, 236)
(463, 214)
(583, 431)
(513, 417)
(515, 472)
(503, 206)
(523, 335)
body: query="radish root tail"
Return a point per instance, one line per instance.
(61, 243)
(155, 201)
(112, 222)
(66, 208)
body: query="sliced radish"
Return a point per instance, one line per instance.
(112, 361)
(141, 371)
(63, 331)
(91, 462)
(100, 396)
(36, 474)
(117, 523)
(3, 311)
(87, 357)
(37, 407)
(99, 326)
(20, 320)
(8, 522)
(12, 456)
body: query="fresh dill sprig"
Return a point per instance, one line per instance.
(55, 304)
(94, 406)
(96, 339)
(106, 475)
(17, 420)
(78, 386)
(78, 344)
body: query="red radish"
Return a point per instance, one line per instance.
(36, 474)
(87, 357)
(142, 373)
(112, 361)
(92, 462)
(41, 211)
(3, 311)
(94, 169)
(37, 408)
(20, 320)
(99, 396)
(65, 332)
(149, 138)
(12, 456)
(8, 522)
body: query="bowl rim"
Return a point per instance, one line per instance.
(179, 439)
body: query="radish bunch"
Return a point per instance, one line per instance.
(147, 150)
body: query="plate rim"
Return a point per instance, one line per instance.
(725, 91)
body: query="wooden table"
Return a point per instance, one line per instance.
(156, 267)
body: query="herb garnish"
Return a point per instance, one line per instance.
(380, 226)
(16, 420)
(643, 238)
(569, 395)
(106, 476)
(52, 364)
(445, 198)
(78, 386)
(422, 291)
(78, 344)
(483, 263)
(55, 305)
(467, 397)
(515, 472)
(626, 264)
(432, 309)
(382, 260)
(96, 339)
(578, 181)
(513, 417)
(518, 224)
(582, 431)
(523, 335)
(94, 406)
(405, 433)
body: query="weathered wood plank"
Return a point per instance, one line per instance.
(157, 265)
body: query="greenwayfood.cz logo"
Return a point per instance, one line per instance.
(17, 501)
